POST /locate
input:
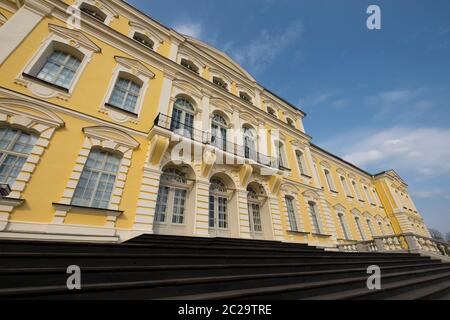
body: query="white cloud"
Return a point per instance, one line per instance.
(424, 151)
(263, 49)
(192, 29)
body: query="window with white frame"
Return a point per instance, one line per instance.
(360, 228)
(345, 186)
(143, 39)
(97, 179)
(314, 217)
(189, 65)
(343, 225)
(183, 117)
(377, 197)
(220, 83)
(171, 200)
(245, 96)
(280, 154)
(249, 143)
(218, 204)
(380, 225)
(15, 146)
(369, 196)
(271, 111)
(290, 122)
(93, 11)
(254, 210)
(125, 93)
(301, 162)
(290, 206)
(371, 229)
(219, 128)
(329, 179)
(356, 189)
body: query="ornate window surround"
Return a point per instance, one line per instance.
(106, 9)
(27, 116)
(105, 138)
(152, 35)
(70, 38)
(135, 69)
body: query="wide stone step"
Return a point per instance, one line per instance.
(10, 278)
(172, 287)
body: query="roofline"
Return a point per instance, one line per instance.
(285, 101)
(340, 159)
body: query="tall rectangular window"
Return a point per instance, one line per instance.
(355, 187)
(314, 217)
(59, 69)
(179, 202)
(96, 183)
(369, 196)
(161, 204)
(301, 162)
(329, 180)
(291, 213)
(125, 94)
(15, 146)
(343, 226)
(345, 186)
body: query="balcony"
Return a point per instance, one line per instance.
(207, 138)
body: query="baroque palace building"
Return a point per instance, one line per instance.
(113, 125)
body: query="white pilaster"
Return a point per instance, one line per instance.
(276, 220)
(202, 208)
(244, 222)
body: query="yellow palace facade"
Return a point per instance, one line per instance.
(113, 125)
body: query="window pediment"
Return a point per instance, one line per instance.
(135, 67)
(118, 137)
(76, 38)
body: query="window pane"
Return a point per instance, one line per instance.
(211, 212)
(161, 204)
(223, 217)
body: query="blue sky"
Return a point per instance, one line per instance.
(380, 98)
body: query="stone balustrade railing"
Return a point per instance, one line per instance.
(408, 242)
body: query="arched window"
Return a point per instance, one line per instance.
(300, 161)
(345, 186)
(219, 131)
(218, 204)
(93, 11)
(143, 39)
(60, 67)
(189, 65)
(15, 146)
(249, 143)
(126, 92)
(183, 117)
(314, 217)
(343, 225)
(254, 210)
(97, 180)
(290, 122)
(171, 200)
(372, 231)
(271, 111)
(220, 82)
(360, 228)
(290, 206)
(245, 96)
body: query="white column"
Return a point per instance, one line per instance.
(166, 91)
(15, 30)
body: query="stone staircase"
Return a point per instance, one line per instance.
(191, 268)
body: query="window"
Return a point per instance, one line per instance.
(329, 180)
(290, 122)
(372, 231)
(59, 69)
(345, 186)
(189, 65)
(183, 117)
(360, 229)
(97, 179)
(291, 213)
(244, 96)
(15, 146)
(271, 111)
(254, 210)
(280, 154)
(249, 144)
(221, 83)
(300, 161)
(355, 187)
(314, 217)
(218, 202)
(219, 132)
(380, 225)
(125, 94)
(369, 196)
(93, 11)
(377, 198)
(143, 39)
(343, 225)
(171, 199)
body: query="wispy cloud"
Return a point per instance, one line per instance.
(426, 194)
(193, 29)
(425, 151)
(265, 47)
(321, 98)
